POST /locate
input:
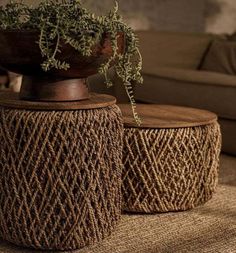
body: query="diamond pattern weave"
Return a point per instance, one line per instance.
(60, 176)
(170, 169)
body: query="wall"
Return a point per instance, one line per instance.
(221, 16)
(181, 15)
(173, 15)
(214, 16)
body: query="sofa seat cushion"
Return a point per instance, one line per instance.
(201, 89)
(196, 76)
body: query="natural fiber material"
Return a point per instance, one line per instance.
(60, 176)
(210, 228)
(170, 169)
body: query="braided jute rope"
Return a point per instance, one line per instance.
(170, 169)
(60, 176)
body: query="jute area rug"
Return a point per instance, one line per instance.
(210, 228)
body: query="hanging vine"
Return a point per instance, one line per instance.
(67, 21)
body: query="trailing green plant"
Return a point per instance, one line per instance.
(69, 22)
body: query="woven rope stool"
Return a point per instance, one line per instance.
(60, 171)
(171, 161)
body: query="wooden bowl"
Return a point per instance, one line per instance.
(20, 53)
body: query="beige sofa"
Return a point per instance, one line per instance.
(172, 76)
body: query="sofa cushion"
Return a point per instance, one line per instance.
(221, 57)
(172, 49)
(195, 76)
(201, 89)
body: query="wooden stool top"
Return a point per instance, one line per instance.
(11, 100)
(167, 116)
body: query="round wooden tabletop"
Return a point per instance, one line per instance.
(11, 100)
(166, 116)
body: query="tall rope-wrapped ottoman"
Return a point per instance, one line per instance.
(60, 171)
(171, 161)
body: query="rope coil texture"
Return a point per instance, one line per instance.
(60, 176)
(170, 169)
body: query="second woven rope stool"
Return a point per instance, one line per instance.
(60, 171)
(171, 161)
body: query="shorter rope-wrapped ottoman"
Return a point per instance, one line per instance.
(171, 161)
(60, 171)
